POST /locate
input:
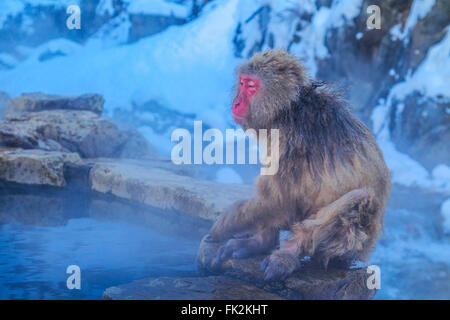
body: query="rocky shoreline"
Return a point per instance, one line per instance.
(63, 143)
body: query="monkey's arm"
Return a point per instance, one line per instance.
(240, 217)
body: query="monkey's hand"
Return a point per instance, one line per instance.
(229, 223)
(225, 252)
(220, 230)
(279, 265)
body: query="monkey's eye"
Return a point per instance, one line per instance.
(251, 84)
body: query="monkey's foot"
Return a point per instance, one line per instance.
(279, 265)
(240, 249)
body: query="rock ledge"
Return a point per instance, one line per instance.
(189, 288)
(311, 282)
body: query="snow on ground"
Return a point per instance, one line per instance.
(115, 32)
(7, 60)
(312, 46)
(158, 7)
(153, 7)
(187, 68)
(60, 46)
(432, 76)
(419, 10)
(431, 80)
(285, 16)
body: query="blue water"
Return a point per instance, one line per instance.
(34, 259)
(113, 244)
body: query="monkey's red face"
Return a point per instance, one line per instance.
(248, 87)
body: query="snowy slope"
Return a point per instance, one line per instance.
(186, 68)
(431, 79)
(189, 68)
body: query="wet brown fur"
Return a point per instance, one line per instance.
(332, 184)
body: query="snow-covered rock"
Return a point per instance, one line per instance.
(22, 22)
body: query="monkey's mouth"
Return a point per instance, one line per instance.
(238, 118)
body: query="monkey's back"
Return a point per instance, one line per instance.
(328, 152)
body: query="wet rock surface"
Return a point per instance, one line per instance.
(164, 189)
(83, 132)
(33, 102)
(310, 282)
(155, 183)
(189, 288)
(35, 167)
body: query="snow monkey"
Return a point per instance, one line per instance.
(332, 184)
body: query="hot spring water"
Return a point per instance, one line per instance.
(114, 243)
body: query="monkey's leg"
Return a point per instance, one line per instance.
(262, 242)
(242, 216)
(336, 230)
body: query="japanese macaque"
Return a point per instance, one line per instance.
(332, 184)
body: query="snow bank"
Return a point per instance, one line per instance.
(153, 7)
(419, 10)
(286, 16)
(432, 76)
(158, 7)
(431, 80)
(186, 68)
(8, 60)
(405, 170)
(312, 47)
